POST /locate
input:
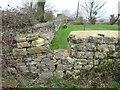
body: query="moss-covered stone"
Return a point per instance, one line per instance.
(30, 39)
(20, 39)
(38, 59)
(38, 49)
(38, 42)
(32, 35)
(9, 82)
(23, 45)
(19, 51)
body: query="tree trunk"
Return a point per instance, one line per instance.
(40, 11)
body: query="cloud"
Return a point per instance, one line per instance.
(111, 5)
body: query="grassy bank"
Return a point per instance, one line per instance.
(60, 39)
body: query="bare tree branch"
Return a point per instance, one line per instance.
(92, 9)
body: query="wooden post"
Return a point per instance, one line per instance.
(84, 24)
(40, 10)
(0, 60)
(77, 16)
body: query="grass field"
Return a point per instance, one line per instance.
(60, 39)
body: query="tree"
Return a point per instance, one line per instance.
(113, 19)
(49, 11)
(49, 15)
(41, 11)
(77, 15)
(92, 9)
(66, 12)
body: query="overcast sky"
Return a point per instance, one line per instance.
(111, 6)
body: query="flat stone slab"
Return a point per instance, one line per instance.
(95, 33)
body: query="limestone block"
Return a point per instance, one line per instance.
(28, 59)
(42, 56)
(58, 55)
(13, 61)
(72, 53)
(49, 55)
(38, 42)
(85, 62)
(39, 49)
(32, 35)
(97, 40)
(111, 40)
(71, 60)
(84, 55)
(87, 67)
(94, 36)
(111, 47)
(76, 72)
(20, 39)
(59, 67)
(86, 47)
(78, 65)
(33, 69)
(33, 63)
(81, 60)
(96, 61)
(100, 55)
(102, 48)
(52, 68)
(59, 73)
(45, 76)
(21, 64)
(69, 72)
(117, 48)
(73, 46)
(102, 40)
(30, 39)
(23, 45)
(58, 62)
(61, 54)
(93, 39)
(20, 52)
(24, 69)
(10, 82)
(38, 59)
(11, 70)
(114, 55)
(50, 63)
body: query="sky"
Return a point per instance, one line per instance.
(111, 7)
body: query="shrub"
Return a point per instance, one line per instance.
(98, 76)
(113, 19)
(49, 15)
(114, 84)
(13, 21)
(118, 22)
(78, 21)
(92, 20)
(26, 84)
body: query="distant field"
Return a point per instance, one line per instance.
(60, 39)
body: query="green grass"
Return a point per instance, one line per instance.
(60, 39)
(62, 83)
(26, 84)
(55, 82)
(114, 84)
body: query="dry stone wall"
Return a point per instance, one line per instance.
(33, 50)
(48, 30)
(87, 49)
(45, 30)
(33, 58)
(92, 48)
